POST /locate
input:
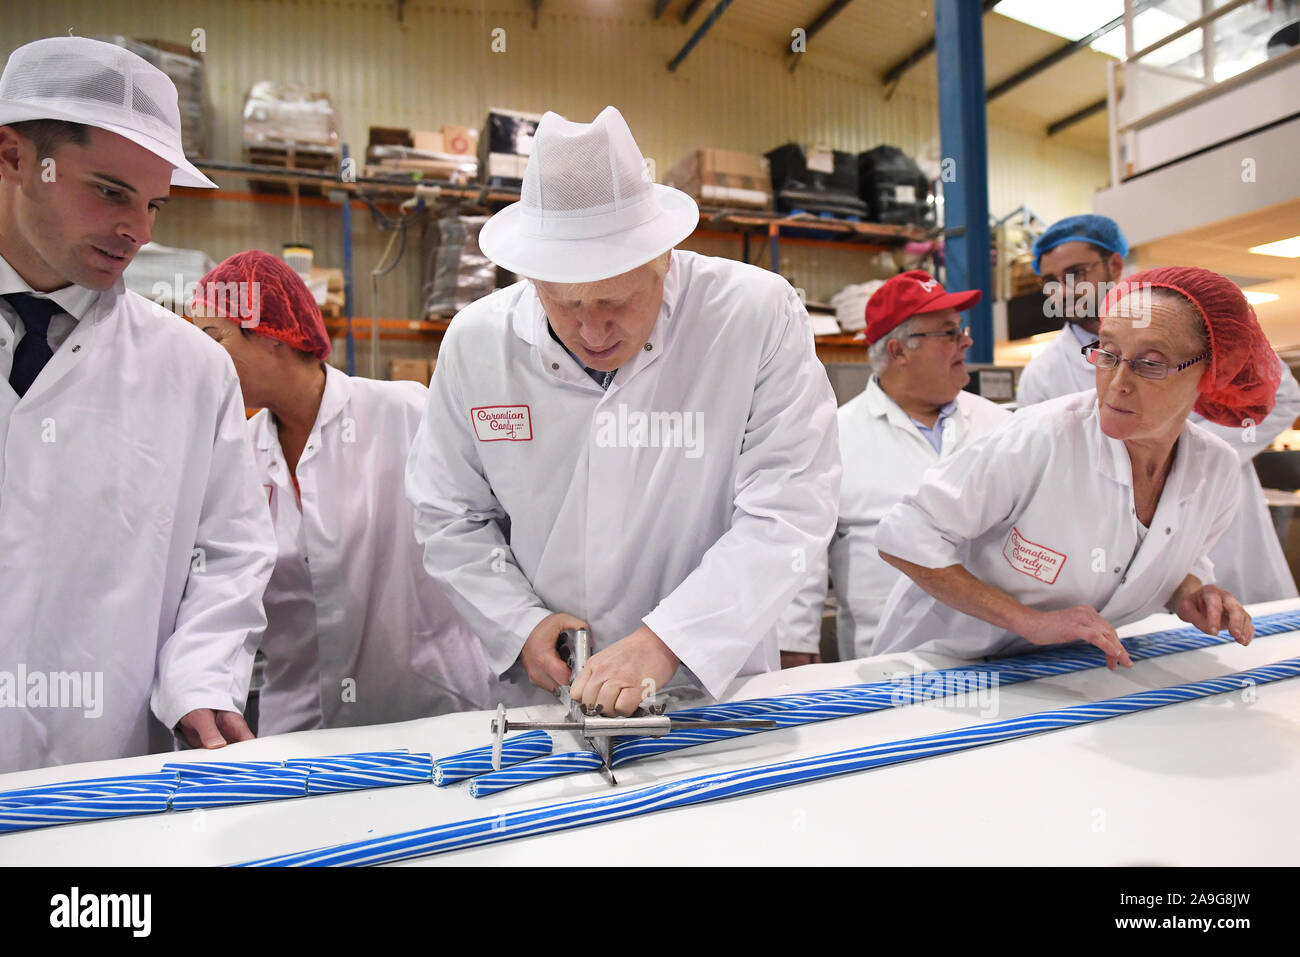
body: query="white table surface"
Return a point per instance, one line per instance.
(1209, 782)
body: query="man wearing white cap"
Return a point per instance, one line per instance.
(134, 547)
(635, 438)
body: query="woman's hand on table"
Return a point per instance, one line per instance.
(205, 728)
(1080, 623)
(1212, 610)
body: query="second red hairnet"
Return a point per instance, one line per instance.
(1244, 371)
(265, 295)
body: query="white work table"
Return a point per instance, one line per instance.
(1209, 782)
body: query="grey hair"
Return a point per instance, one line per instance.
(878, 352)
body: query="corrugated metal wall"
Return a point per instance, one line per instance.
(437, 67)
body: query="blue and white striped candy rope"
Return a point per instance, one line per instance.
(23, 817)
(207, 784)
(568, 762)
(353, 776)
(271, 784)
(797, 709)
(509, 825)
(466, 764)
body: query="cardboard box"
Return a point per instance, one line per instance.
(724, 178)
(460, 140)
(505, 166)
(409, 370)
(1023, 278)
(429, 141)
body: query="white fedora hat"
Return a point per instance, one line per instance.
(588, 209)
(98, 84)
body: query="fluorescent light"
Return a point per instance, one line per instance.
(1286, 248)
(1068, 20)
(1255, 298)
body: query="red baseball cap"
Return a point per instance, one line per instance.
(909, 294)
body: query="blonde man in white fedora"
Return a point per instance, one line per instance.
(134, 546)
(635, 438)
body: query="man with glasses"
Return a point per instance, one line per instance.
(1077, 259)
(912, 414)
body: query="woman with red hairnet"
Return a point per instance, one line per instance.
(357, 633)
(1096, 509)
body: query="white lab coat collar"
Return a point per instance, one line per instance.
(76, 301)
(1113, 461)
(338, 391)
(880, 405)
(529, 322)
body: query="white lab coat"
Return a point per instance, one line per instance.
(133, 537)
(1248, 560)
(357, 633)
(1042, 508)
(701, 531)
(884, 456)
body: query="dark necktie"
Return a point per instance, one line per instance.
(34, 348)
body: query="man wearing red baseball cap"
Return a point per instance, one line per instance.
(912, 413)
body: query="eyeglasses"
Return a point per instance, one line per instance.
(953, 335)
(1077, 273)
(1146, 368)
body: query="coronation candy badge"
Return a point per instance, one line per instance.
(502, 423)
(1036, 561)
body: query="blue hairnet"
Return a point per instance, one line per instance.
(1099, 230)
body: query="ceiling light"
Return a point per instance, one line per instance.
(1286, 248)
(1255, 298)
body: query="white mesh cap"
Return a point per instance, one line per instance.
(98, 84)
(588, 209)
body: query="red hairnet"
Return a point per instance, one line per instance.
(1244, 371)
(262, 293)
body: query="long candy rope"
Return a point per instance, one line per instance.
(187, 785)
(792, 710)
(509, 825)
(569, 762)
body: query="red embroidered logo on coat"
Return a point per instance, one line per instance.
(502, 423)
(1036, 561)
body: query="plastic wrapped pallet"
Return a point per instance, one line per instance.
(186, 71)
(277, 113)
(458, 273)
(894, 188)
(505, 145)
(167, 275)
(815, 179)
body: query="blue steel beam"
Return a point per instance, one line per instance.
(698, 35)
(963, 134)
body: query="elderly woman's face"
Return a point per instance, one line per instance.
(256, 358)
(604, 323)
(1163, 330)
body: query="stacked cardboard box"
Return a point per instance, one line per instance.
(290, 127)
(724, 178)
(411, 370)
(447, 154)
(505, 146)
(185, 68)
